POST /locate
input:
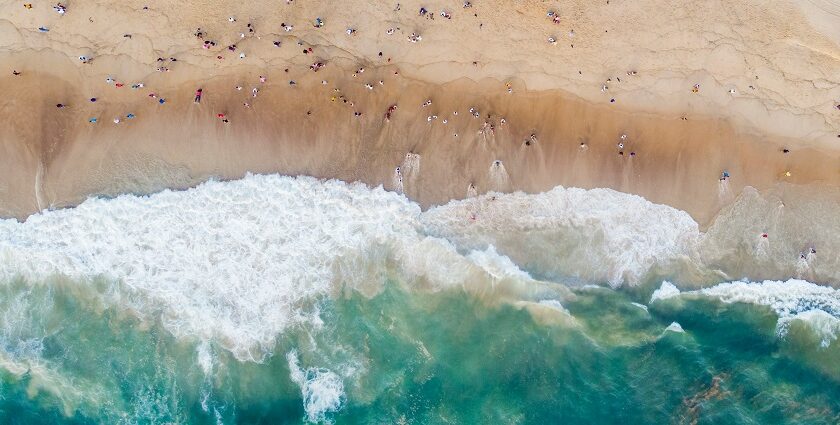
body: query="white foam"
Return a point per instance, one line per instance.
(237, 261)
(824, 325)
(472, 191)
(597, 235)
(817, 306)
(497, 265)
(675, 327)
(18, 339)
(240, 262)
(204, 358)
(665, 291)
(322, 390)
(553, 304)
(786, 298)
(498, 176)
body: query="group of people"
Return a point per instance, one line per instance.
(488, 127)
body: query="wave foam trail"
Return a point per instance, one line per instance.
(235, 261)
(595, 235)
(826, 326)
(667, 290)
(785, 298)
(322, 389)
(498, 176)
(497, 265)
(815, 305)
(235, 264)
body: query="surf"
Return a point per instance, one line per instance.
(278, 275)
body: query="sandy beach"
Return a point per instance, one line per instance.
(420, 212)
(643, 97)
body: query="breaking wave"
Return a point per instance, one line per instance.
(239, 262)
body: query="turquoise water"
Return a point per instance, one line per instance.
(425, 358)
(275, 300)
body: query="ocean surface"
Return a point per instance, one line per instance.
(273, 300)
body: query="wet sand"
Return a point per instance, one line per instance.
(676, 147)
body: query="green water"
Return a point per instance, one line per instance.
(420, 358)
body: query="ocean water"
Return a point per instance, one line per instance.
(291, 300)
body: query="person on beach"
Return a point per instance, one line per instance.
(198, 96)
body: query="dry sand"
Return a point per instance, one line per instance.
(783, 63)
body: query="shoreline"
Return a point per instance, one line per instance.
(54, 158)
(179, 144)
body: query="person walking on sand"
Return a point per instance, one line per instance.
(198, 96)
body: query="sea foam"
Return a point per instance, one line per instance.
(786, 298)
(815, 305)
(322, 390)
(665, 291)
(239, 262)
(235, 261)
(594, 235)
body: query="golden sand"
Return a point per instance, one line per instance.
(768, 80)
